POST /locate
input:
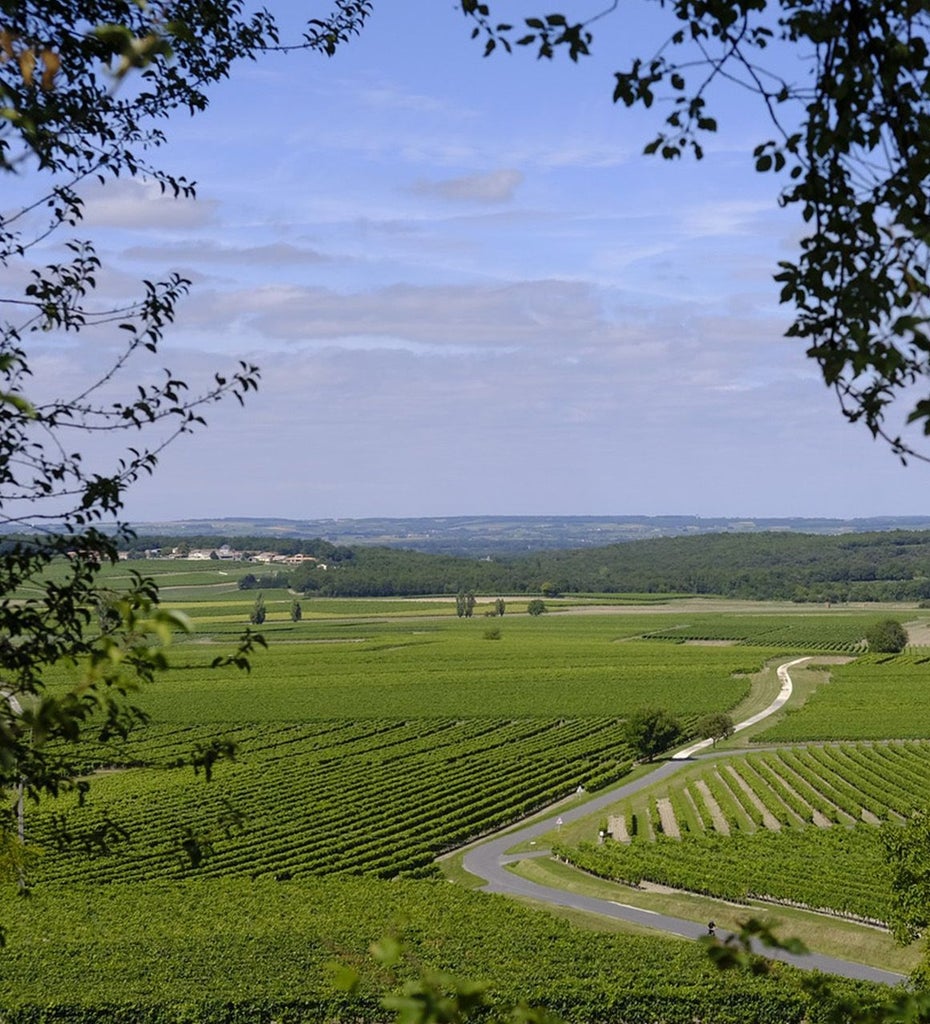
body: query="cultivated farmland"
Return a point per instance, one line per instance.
(795, 825)
(374, 736)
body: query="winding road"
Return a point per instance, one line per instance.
(488, 860)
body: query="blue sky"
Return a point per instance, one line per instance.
(469, 293)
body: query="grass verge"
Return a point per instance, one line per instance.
(821, 933)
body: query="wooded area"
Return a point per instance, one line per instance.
(881, 566)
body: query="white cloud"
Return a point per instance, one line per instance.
(137, 204)
(391, 97)
(728, 217)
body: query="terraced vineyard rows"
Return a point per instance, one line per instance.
(378, 797)
(795, 825)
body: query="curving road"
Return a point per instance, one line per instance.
(488, 860)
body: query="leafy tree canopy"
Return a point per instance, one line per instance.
(843, 89)
(717, 725)
(649, 731)
(85, 91)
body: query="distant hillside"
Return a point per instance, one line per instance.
(879, 566)
(478, 536)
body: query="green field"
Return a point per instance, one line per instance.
(373, 747)
(242, 951)
(379, 797)
(373, 736)
(873, 697)
(573, 666)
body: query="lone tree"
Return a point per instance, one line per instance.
(536, 607)
(297, 612)
(886, 637)
(258, 614)
(717, 725)
(649, 731)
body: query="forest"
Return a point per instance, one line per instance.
(879, 566)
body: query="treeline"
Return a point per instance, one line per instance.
(797, 567)
(884, 566)
(391, 572)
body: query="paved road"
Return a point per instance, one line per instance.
(488, 860)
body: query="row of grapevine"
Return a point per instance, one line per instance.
(374, 797)
(827, 633)
(791, 787)
(840, 870)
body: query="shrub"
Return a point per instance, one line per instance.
(886, 637)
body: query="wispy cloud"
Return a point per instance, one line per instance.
(727, 217)
(390, 96)
(138, 204)
(533, 312)
(202, 251)
(491, 187)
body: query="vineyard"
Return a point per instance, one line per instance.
(375, 735)
(241, 951)
(379, 797)
(874, 697)
(794, 825)
(573, 667)
(831, 632)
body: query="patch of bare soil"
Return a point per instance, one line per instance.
(616, 826)
(713, 808)
(710, 643)
(918, 632)
(668, 819)
(769, 820)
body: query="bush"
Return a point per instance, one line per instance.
(536, 606)
(886, 637)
